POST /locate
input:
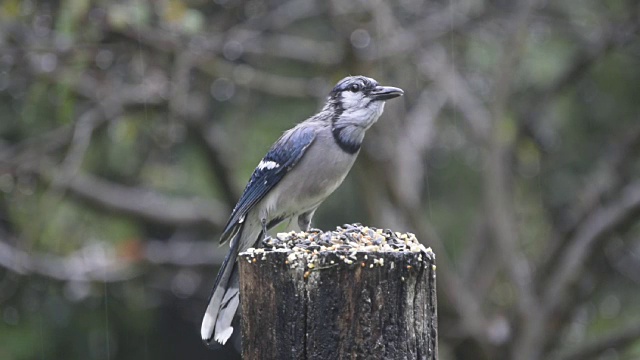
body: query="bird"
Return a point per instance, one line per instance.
(300, 170)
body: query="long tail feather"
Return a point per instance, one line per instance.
(218, 323)
(220, 288)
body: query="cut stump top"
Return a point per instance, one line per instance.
(354, 293)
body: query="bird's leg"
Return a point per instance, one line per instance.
(304, 220)
(263, 221)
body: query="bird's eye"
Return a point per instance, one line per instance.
(354, 87)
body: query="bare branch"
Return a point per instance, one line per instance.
(498, 175)
(207, 61)
(31, 148)
(255, 79)
(93, 262)
(80, 142)
(284, 15)
(295, 48)
(498, 181)
(152, 91)
(407, 39)
(435, 64)
(557, 290)
(625, 259)
(212, 140)
(98, 261)
(583, 61)
(609, 174)
(599, 224)
(146, 204)
(419, 132)
(478, 266)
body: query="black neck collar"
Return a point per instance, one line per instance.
(350, 147)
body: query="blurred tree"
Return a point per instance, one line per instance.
(128, 129)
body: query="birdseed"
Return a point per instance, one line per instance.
(347, 241)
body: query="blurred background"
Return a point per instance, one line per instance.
(129, 128)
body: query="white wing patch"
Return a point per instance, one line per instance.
(268, 165)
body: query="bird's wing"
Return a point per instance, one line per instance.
(280, 159)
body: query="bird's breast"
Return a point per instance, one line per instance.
(318, 174)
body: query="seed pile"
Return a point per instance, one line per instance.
(351, 242)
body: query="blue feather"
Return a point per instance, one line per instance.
(280, 159)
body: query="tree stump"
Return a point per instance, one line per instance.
(354, 293)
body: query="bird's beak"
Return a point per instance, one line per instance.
(385, 92)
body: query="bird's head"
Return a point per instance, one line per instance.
(359, 100)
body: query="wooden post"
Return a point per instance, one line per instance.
(355, 293)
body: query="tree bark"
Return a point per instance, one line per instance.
(338, 305)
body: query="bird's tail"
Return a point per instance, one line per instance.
(224, 300)
(220, 317)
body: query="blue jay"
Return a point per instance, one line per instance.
(298, 173)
